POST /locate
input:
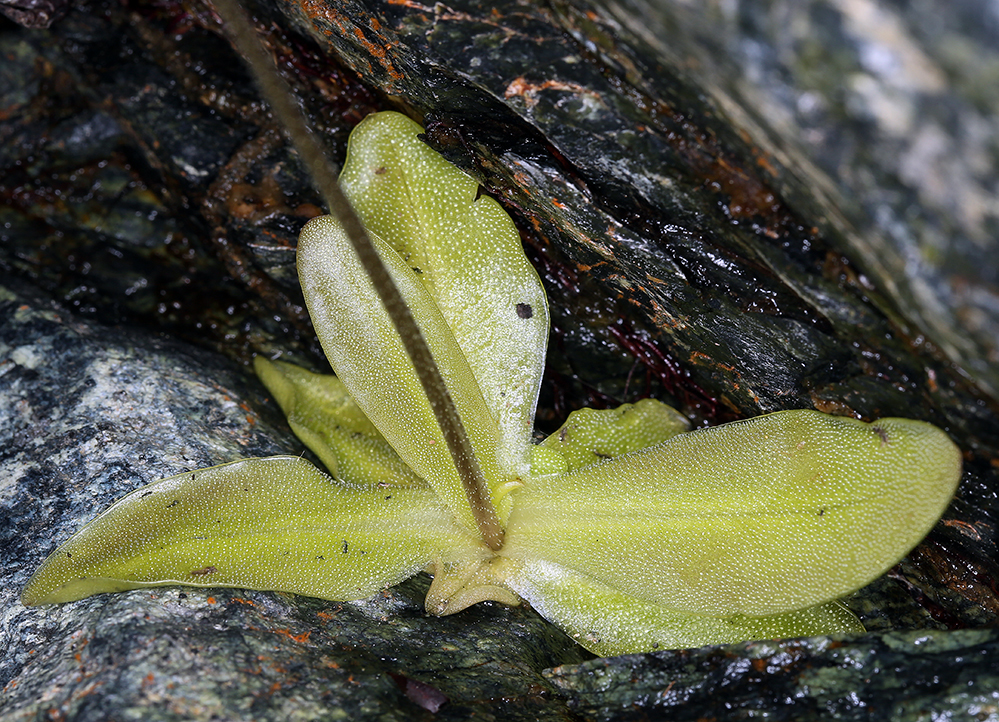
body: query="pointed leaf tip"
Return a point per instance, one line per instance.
(275, 523)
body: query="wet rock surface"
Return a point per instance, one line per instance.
(94, 412)
(897, 676)
(691, 250)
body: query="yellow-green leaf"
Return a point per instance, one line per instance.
(467, 253)
(757, 517)
(592, 435)
(486, 326)
(368, 356)
(328, 420)
(608, 622)
(276, 523)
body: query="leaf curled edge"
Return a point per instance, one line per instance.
(609, 623)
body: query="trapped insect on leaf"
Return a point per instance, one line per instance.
(680, 538)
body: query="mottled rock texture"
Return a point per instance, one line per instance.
(735, 207)
(93, 412)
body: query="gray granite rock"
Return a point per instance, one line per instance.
(88, 413)
(545, 101)
(91, 412)
(895, 676)
(892, 109)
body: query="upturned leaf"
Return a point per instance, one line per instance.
(589, 436)
(467, 253)
(328, 420)
(456, 258)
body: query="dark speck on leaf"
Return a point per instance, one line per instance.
(381, 170)
(345, 547)
(822, 511)
(173, 503)
(203, 572)
(524, 310)
(388, 497)
(68, 555)
(882, 433)
(146, 493)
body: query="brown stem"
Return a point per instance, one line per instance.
(295, 125)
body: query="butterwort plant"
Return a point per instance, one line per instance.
(624, 528)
